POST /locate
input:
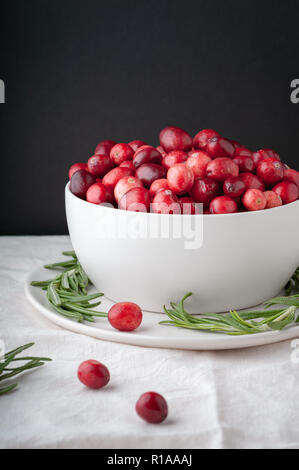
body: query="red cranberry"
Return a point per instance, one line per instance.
(135, 144)
(99, 165)
(252, 182)
(111, 179)
(242, 151)
(176, 156)
(125, 316)
(128, 164)
(180, 178)
(236, 144)
(264, 154)
(146, 154)
(174, 138)
(149, 172)
(220, 147)
(124, 185)
(157, 185)
(93, 374)
(291, 175)
(202, 138)
(197, 162)
(152, 407)
(120, 153)
(75, 167)
(189, 206)
(254, 200)
(273, 200)
(204, 190)
(97, 193)
(270, 171)
(234, 186)
(161, 150)
(166, 202)
(80, 182)
(223, 205)
(244, 163)
(287, 191)
(104, 147)
(222, 168)
(137, 200)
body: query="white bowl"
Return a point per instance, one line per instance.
(245, 258)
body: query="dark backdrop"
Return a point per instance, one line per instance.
(77, 72)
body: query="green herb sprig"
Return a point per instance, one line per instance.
(7, 372)
(67, 292)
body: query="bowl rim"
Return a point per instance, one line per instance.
(210, 216)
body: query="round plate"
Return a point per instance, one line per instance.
(150, 333)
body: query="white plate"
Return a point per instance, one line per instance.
(150, 333)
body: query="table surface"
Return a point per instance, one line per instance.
(224, 399)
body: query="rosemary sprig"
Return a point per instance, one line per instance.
(67, 292)
(235, 323)
(7, 372)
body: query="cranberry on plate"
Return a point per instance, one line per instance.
(180, 178)
(124, 185)
(137, 200)
(173, 157)
(197, 162)
(291, 175)
(135, 144)
(202, 138)
(204, 190)
(223, 205)
(97, 193)
(149, 172)
(125, 316)
(273, 200)
(166, 202)
(254, 200)
(264, 154)
(220, 147)
(128, 164)
(104, 147)
(75, 167)
(157, 185)
(174, 138)
(242, 151)
(80, 182)
(287, 191)
(234, 186)
(99, 165)
(121, 152)
(146, 154)
(270, 171)
(252, 181)
(93, 374)
(245, 163)
(112, 177)
(189, 206)
(152, 407)
(222, 168)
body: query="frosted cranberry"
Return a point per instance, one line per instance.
(166, 202)
(99, 165)
(75, 167)
(120, 153)
(125, 316)
(111, 179)
(273, 200)
(264, 154)
(270, 171)
(223, 205)
(202, 138)
(189, 206)
(287, 191)
(135, 144)
(128, 164)
(80, 182)
(161, 150)
(176, 156)
(197, 162)
(220, 147)
(104, 147)
(242, 152)
(137, 200)
(93, 374)
(222, 168)
(180, 178)
(252, 182)
(234, 186)
(149, 172)
(152, 407)
(244, 163)
(291, 175)
(254, 200)
(97, 193)
(174, 138)
(204, 190)
(146, 154)
(157, 185)
(124, 185)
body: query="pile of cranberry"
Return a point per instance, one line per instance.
(220, 173)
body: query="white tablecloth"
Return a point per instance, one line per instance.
(225, 399)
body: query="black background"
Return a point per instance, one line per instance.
(77, 72)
